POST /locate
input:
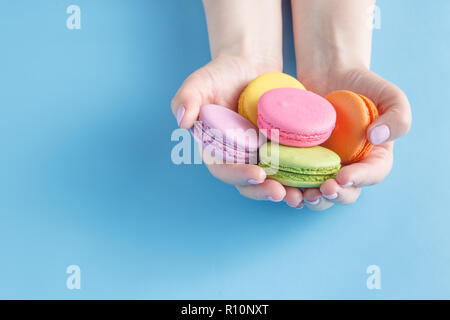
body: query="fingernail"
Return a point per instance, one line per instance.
(379, 134)
(300, 206)
(180, 113)
(313, 203)
(272, 199)
(252, 181)
(290, 205)
(331, 196)
(348, 184)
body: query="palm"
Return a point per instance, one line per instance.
(220, 82)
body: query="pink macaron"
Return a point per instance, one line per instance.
(302, 118)
(226, 134)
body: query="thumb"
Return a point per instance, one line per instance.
(188, 99)
(395, 115)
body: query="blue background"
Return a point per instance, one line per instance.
(86, 176)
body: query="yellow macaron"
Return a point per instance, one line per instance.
(248, 101)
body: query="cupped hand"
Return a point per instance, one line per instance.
(394, 121)
(220, 82)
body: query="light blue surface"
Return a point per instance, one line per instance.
(86, 176)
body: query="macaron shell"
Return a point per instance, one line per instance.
(299, 180)
(299, 167)
(248, 101)
(215, 145)
(236, 130)
(303, 118)
(354, 114)
(311, 160)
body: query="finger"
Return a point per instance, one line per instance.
(314, 201)
(395, 116)
(188, 100)
(232, 173)
(333, 192)
(393, 106)
(294, 197)
(237, 173)
(268, 190)
(371, 170)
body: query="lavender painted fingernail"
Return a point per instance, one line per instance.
(180, 113)
(290, 205)
(331, 196)
(252, 181)
(379, 135)
(348, 184)
(313, 203)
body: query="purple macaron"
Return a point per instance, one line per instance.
(226, 134)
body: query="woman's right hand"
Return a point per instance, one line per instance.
(221, 82)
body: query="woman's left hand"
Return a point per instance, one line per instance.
(394, 121)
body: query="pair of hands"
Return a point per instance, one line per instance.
(222, 80)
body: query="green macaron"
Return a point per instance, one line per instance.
(299, 167)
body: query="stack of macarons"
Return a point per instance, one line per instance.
(313, 135)
(310, 136)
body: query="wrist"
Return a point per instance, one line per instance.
(257, 57)
(329, 68)
(250, 29)
(327, 57)
(337, 37)
(324, 81)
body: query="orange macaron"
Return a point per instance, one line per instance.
(354, 114)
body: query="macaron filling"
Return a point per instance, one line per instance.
(295, 137)
(372, 114)
(304, 171)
